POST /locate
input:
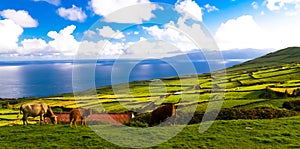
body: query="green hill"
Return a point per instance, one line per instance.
(274, 59)
(246, 84)
(264, 88)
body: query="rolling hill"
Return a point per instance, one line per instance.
(263, 88)
(273, 59)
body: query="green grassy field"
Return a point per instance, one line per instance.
(245, 86)
(274, 133)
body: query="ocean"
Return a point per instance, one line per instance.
(47, 78)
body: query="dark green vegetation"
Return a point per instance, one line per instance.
(266, 88)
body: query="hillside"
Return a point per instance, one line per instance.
(250, 86)
(285, 56)
(265, 88)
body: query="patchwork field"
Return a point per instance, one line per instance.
(254, 89)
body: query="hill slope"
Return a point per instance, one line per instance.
(273, 59)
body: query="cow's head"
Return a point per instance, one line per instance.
(53, 119)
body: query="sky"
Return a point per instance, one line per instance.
(64, 29)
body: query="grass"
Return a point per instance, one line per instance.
(244, 84)
(279, 133)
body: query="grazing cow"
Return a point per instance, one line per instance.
(79, 113)
(37, 109)
(161, 113)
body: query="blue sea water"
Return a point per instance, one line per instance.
(46, 78)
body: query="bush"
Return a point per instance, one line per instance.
(225, 114)
(292, 105)
(251, 113)
(140, 120)
(270, 94)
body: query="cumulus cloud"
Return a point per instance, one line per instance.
(108, 32)
(210, 8)
(31, 46)
(244, 32)
(240, 33)
(191, 7)
(151, 49)
(100, 49)
(62, 44)
(89, 34)
(73, 14)
(63, 41)
(171, 35)
(53, 2)
(10, 33)
(20, 17)
(113, 12)
(106, 7)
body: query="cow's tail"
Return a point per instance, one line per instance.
(20, 112)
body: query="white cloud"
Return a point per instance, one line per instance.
(190, 7)
(254, 5)
(245, 32)
(293, 12)
(9, 36)
(73, 14)
(171, 35)
(89, 34)
(283, 33)
(150, 49)
(20, 17)
(63, 41)
(108, 32)
(106, 7)
(113, 12)
(53, 2)
(100, 49)
(31, 46)
(274, 5)
(240, 33)
(210, 8)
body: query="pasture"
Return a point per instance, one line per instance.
(254, 84)
(278, 133)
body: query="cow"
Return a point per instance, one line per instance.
(79, 113)
(37, 109)
(162, 113)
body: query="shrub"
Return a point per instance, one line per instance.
(292, 105)
(140, 120)
(251, 113)
(270, 94)
(225, 114)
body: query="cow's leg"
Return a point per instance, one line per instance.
(74, 122)
(41, 119)
(175, 117)
(24, 119)
(71, 121)
(82, 122)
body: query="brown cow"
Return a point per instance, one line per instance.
(79, 113)
(37, 109)
(162, 113)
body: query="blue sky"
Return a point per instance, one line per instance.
(56, 29)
